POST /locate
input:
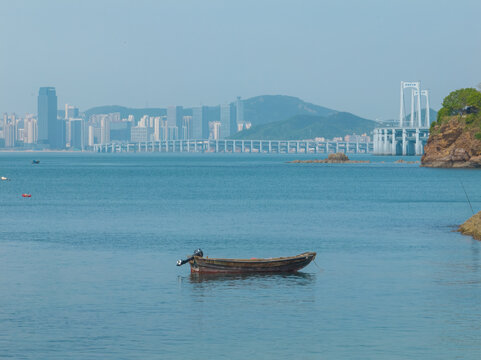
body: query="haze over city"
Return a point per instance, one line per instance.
(345, 55)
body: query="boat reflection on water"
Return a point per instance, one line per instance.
(249, 297)
(287, 279)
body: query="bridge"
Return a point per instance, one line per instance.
(410, 136)
(238, 146)
(400, 141)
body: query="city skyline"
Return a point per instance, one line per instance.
(51, 129)
(66, 127)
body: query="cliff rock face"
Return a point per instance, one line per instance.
(452, 145)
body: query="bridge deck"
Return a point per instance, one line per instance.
(239, 146)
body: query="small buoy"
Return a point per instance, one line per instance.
(26, 195)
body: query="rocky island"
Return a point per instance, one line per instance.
(472, 226)
(455, 138)
(337, 158)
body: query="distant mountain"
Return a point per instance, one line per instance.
(125, 111)
(266, 109)
(272, 117)
(308, 127)
(257, 110)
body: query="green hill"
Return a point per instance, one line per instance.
(257, 110)
(272, 117)
(308, 127)
(266, 109)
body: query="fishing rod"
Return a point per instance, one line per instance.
(467, 197)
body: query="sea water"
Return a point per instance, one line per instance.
(87, 264)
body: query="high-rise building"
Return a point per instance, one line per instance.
(174, 118)
(71, 112)
(144, 121)
(200, 123)
(9, 135)
(187, 127)
(120, 131)
(172, 133)
(216, 130)
(91, 138)
(30, 131)
(239, 111)
(164, 128)
(157, 126)
(9, 131)
(58, 141)
(139, 134)
(228, 125)
(105, 130)
(76, 134)
(4, 124)
(47, 116)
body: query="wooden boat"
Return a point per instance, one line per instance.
(200, 264)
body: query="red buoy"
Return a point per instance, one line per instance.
(27, 195)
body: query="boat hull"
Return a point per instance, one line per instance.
(237, 266)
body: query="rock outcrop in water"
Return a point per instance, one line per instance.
(402, 161)
(455, 138)
(472, 226)
(453, 145)
(337, 158)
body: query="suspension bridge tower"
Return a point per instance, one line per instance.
(412, 132)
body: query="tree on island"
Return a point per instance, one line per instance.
(459, 100)
(464, 104)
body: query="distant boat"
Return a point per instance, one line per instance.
(200, 264)
(35, 161)
(3, 178)
(27, 195)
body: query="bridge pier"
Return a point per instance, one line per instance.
(408, 136)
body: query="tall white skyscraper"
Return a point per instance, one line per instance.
(157, 135)
(187, 127)
(216, 125)
(91, 140)
(30, 131)
(4, 124)
(9, 130)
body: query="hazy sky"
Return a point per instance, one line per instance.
(346, 55)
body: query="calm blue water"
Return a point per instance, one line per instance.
(87, 265)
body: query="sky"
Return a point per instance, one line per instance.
(345, 55)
